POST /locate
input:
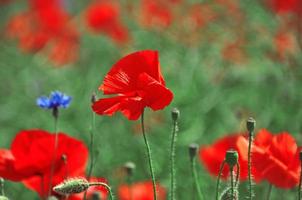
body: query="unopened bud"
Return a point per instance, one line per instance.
(72, 186)
(129, 168)
(193, 149)
(250, 124)
(231, 157)
(175, 114)
(93, 98)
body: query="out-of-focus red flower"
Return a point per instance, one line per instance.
(156, 13)
(283, 6)
(104, 17)
(276, 157)
(212, 156)
(95, 190)
(234, 52)
(31, 157)
(138, 83)
(285, 44)
(46, 26)
(200, 15)
(141, 191)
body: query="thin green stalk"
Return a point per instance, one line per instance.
(54, 155)
(2, 186)
(300, 183)
(149, 157)
(108, 188)
(218, 179)
(250, 166)
(237, 175)
(232, 182)
(91, 150)
(268, 196)
(195, 178)
(172, 160)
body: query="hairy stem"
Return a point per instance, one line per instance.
(91, 151)
(149, 157)
(300, 183)
(108, 188)
(250, 166)
(52, 168)
(232, 182)
(172, 160)
(195, 178)
(218, 179)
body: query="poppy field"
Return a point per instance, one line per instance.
(150, 100)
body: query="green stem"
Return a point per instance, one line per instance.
(300, 183)
(91, 150)
(250, 165)
(237, 175)
(149, 157)
(2, 186)
(218, 179)
(268, 196)
(195, 178)
(172, 160)
(232, 182)
(52, 169)
(108, 188)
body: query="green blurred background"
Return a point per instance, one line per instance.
(215, 93)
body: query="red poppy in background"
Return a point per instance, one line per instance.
(283, 6)
(141, 191)
(46, 25)
(104, 17)
(212, 156)
(30, 158)
(276, 157)
(156, 13)
(138, 83)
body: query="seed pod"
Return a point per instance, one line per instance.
(72, 186)
(175, 114)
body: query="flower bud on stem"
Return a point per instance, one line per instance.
(175, 116)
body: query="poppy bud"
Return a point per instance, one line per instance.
(193, 149)
(250, 124)
(175, 114)
(129, 168)
(231, 157)
(72, 186)
(93, 98)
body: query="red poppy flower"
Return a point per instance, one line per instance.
(212, 156)
(141, 191)
(277, 159)
(31, 157)
(96, 190)
(283, 6)
(46, 24)
(104, 17)
(138, 83)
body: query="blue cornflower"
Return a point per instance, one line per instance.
(54, 101)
